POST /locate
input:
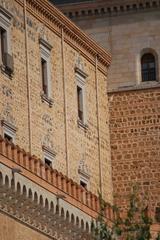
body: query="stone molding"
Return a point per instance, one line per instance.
(56, 21)
(106, 8)
(136, 87)
(50, 179)
(39, 209)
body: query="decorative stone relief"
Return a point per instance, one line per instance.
(47, 119)
(83, 169)
(19, 23)
(42, 33)
(47, 142)
(7, 91)
(79, 63)
(8, 115)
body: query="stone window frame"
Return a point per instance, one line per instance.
(85, 179)
(157, 80)
(145, 74)
(48, 154)
(45, 54)
(81, 77)
(5, 24)
(84, 175)
(9, 130)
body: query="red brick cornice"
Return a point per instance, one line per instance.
(55, 20)
(50, 179)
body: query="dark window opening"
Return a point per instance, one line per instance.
(44, 76)
(48, 162)
(80, 102)
(83, 184)
(148, 67)
(8, 137)
(157, 214)
(3, 42)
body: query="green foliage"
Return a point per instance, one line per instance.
(135, 226)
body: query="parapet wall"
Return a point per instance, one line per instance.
(53, 181)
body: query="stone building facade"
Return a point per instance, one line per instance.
(128, 30)
(48, 122)
(69, 127)
(54, 106)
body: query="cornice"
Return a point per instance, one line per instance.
(141, 87)
(107, 8)
(56, 21)
(40, 210)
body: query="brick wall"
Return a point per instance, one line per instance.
(135, 140)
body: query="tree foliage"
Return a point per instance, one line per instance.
(134, 226)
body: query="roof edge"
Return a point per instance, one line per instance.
(76, 35)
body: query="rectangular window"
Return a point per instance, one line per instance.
(44, 76)
(6, 58)
(80, 103)
(8, 137)
(48, 156)
(81, 100)
(48, 162)
(83, 184)
(9, 131)
(3, 43)
(45, 53)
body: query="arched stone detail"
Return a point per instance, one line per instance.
(18, 188)
(52, 206)
(82, 224)
(36, 198)
(41, 201)
(72, 219)
(87, 227)
(7, 182)
(30, 194)
(24, 191)
(57, 210)
(27, 192)
(77, 222)
(12, 184)
(39, 205)
(67, 216)
(47, 204)
(62, 213)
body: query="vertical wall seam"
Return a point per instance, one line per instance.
(98, 125)
(27, 79)
(65, 104)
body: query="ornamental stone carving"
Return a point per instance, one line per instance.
(83, 169)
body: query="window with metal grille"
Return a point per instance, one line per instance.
(148, 67)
